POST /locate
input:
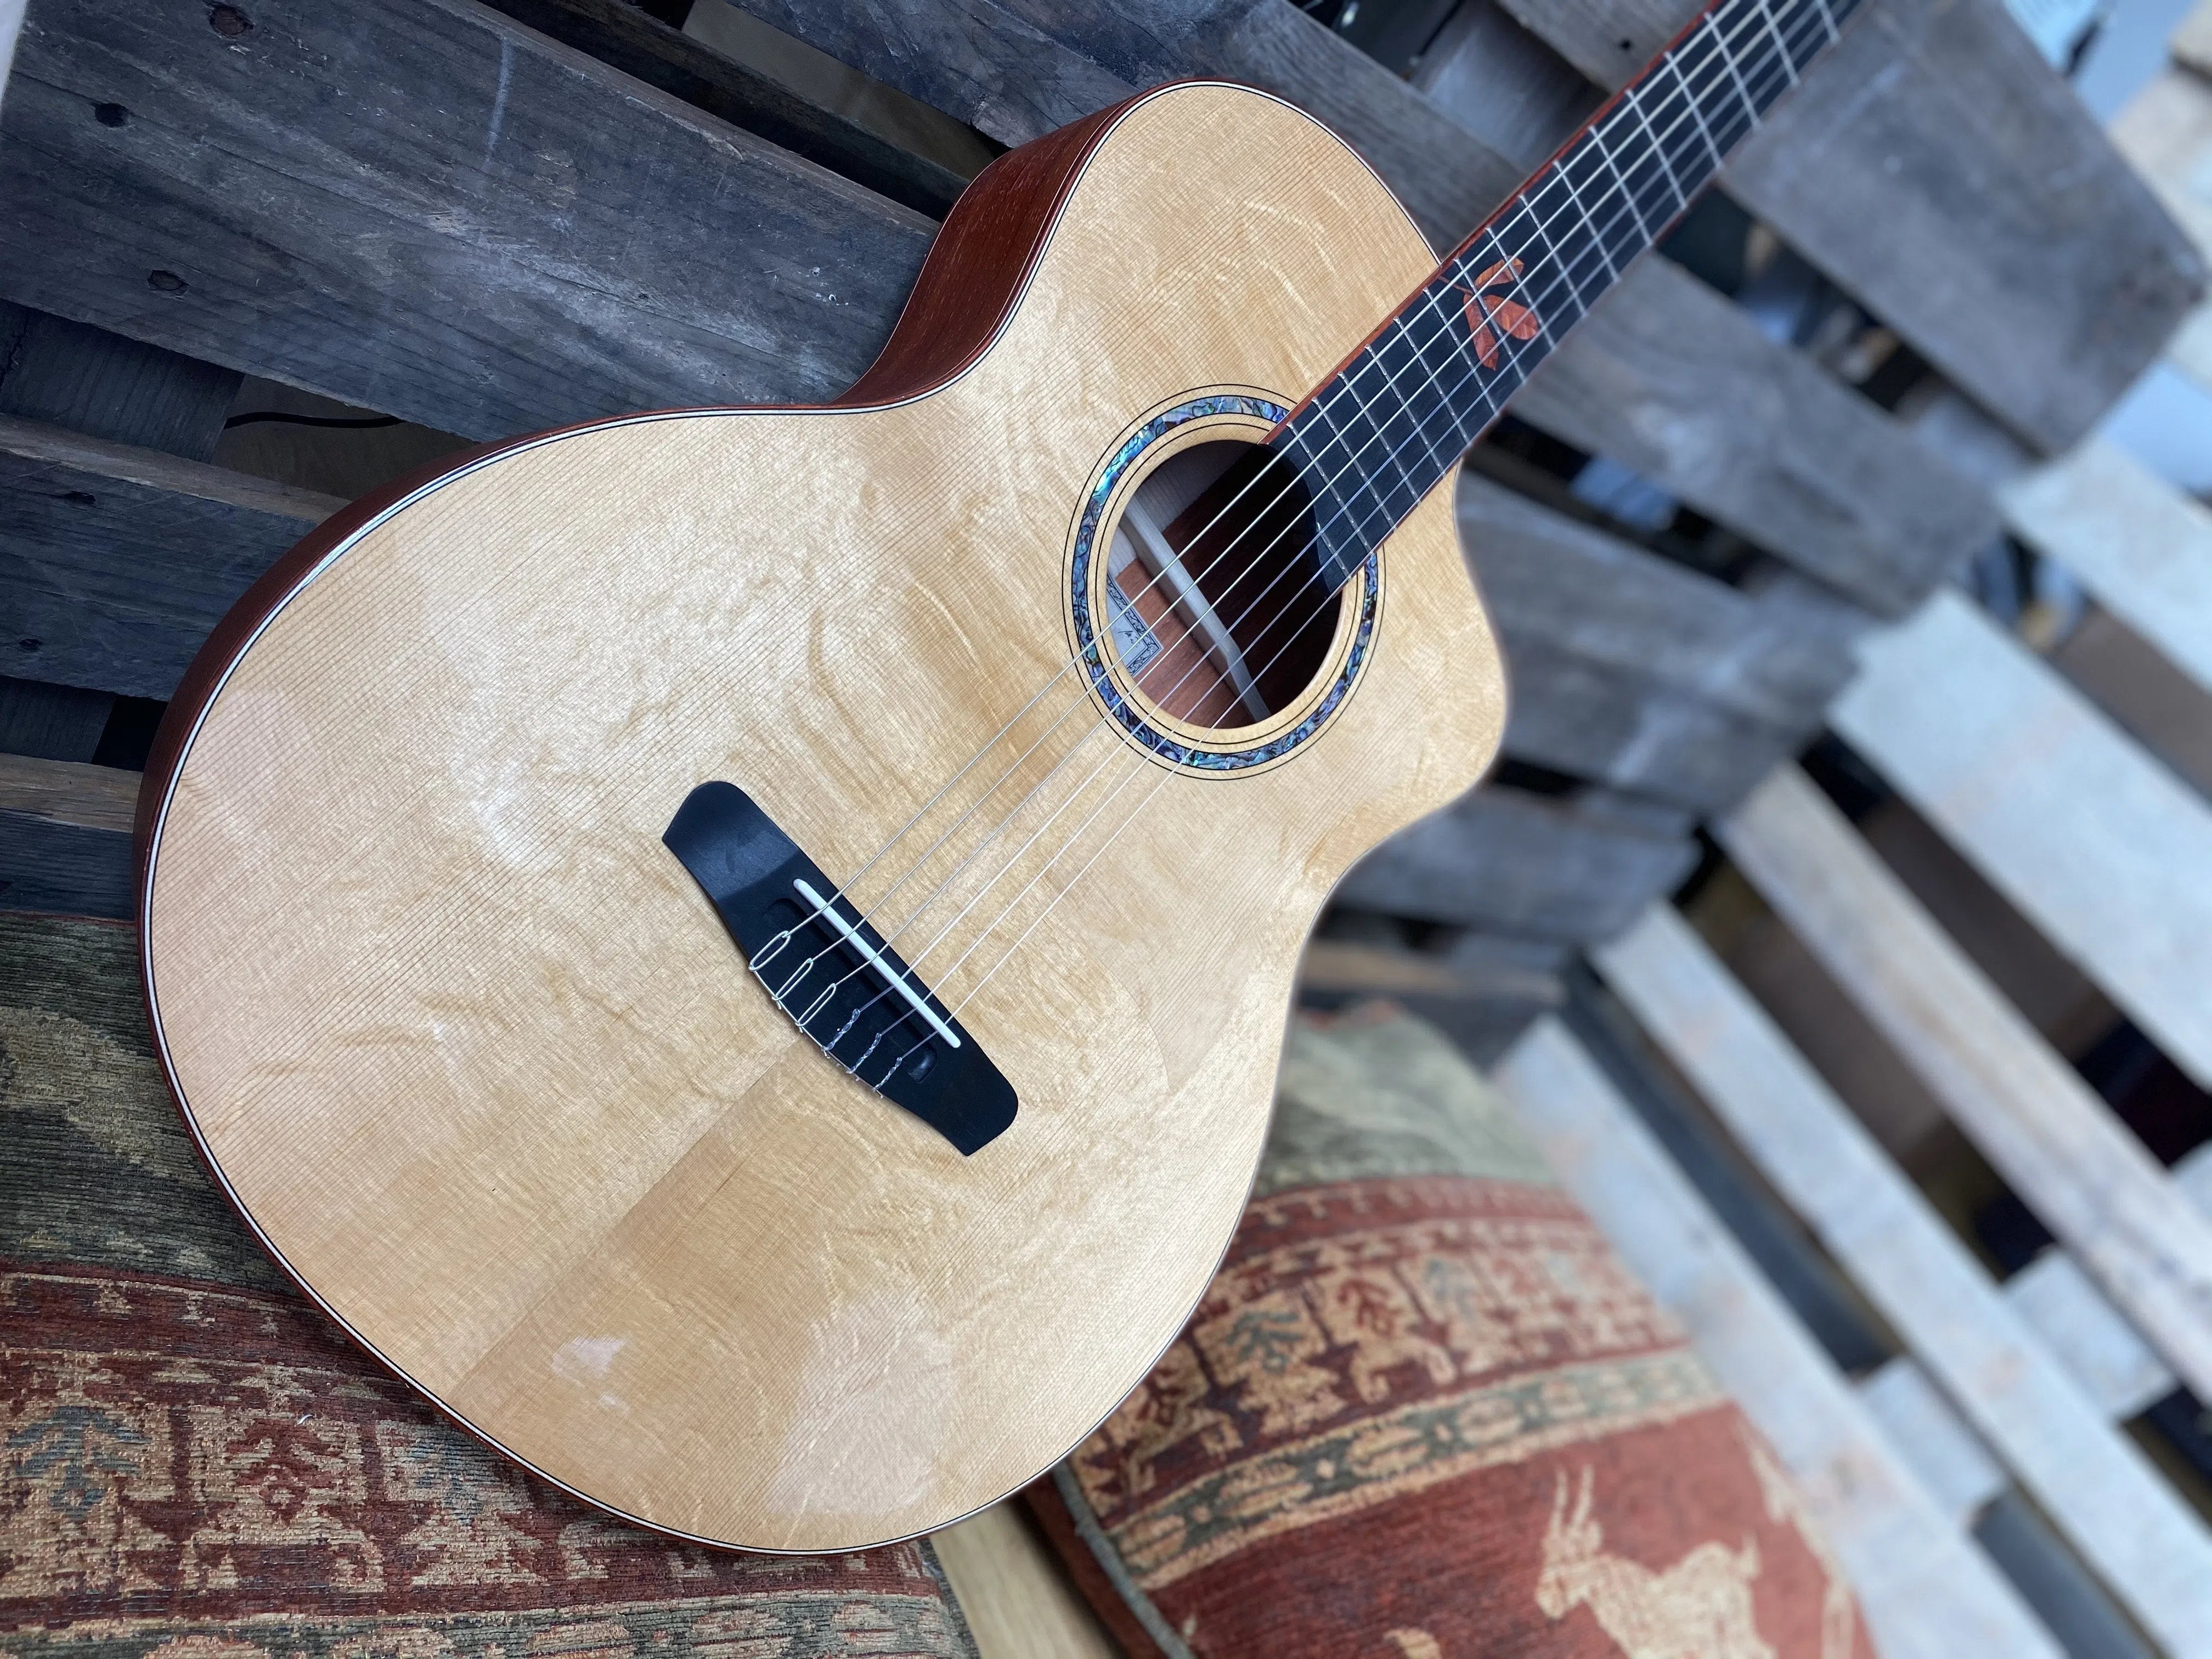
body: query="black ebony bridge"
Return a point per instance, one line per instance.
(834, 974)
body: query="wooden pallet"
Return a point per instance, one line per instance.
(557, 208)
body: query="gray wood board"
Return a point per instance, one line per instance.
(621, 35)
(52, 722)
(1503, 85)
(1642, 673)
(421, 207)
(2090, 838)
(1675, 382)
(125, 391)
(1932, 165)
(115, 562)
(1608, 40)
(46, 865)
(1017, 69)
(2095, 1483)
(1534, 866)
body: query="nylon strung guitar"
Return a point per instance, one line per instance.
(744, 952)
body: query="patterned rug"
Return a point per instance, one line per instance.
(1425, 1413)
(195, 1465)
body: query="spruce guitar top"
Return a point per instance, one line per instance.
(744, 952)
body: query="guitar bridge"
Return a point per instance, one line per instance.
(834, 974)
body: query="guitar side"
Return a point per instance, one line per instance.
(477, 1058)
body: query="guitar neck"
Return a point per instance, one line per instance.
(1373, 439)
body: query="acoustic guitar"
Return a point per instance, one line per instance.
(744, 952)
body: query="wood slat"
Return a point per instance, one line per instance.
(45, 865)
(2101, 1491)
(2191, 348)
(65, 837)
(1503, 84)
(1928, 1593)
(1347, 969)
(57, 722)
(1937, 1444)
(119, 561)
(2191, 44)
(65, 374)
(2086, 835)
(2070, 1317)
(1018, 1601)
(1608, 40)
(2054, 1141)
(1020, 69)
(1934, 166)
(1005, 69)
(421, 207)
(1673, 381)
(69, 792)
(1481, 1004)
(1527, 864)
(1643, 673)
(2166, 131)
(623, 36)
(2139, 546)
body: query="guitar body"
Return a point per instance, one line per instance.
(477, 1059)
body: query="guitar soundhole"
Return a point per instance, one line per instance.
(1219, 609)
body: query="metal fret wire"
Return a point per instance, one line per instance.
(1694, 51)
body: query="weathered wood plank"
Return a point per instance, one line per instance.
(1481, 1004)
(1640, 672)
(1018, 68)
(57, 722)
(2114, 1365)
(2166, 131)
(1675, 382)
(2191, 348)
(2098, 1348)
(99, 384)
(2139, 545)
(2191, 44)
(2055, 806)
(621, 35)
(1927, 1592)
(1347, 969)
(1526, 865)
(69, 792)
(1018, 1601)
(2031, 1115)
(1498, 80)
(1775, 651)
(1932, 165)
(2094, 1484)
(421, 207)
(991, 66)
(1608, 40)
(116, 562)
(1937, 1444)
(49, 865)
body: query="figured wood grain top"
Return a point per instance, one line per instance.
(477, 1055)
